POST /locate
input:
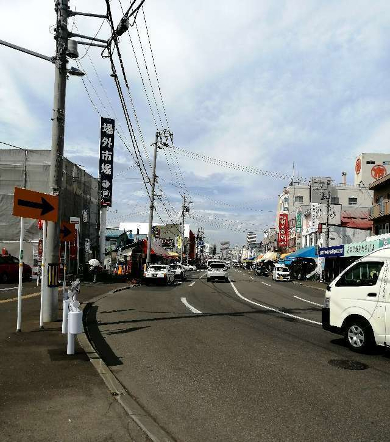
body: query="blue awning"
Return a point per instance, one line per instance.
(306, 252)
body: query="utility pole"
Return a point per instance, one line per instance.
(50, 300)
(185, 209)
(153, 185)
(328, 196)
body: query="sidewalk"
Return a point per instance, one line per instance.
(47, 395)
(313, 284)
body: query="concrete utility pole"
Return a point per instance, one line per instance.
(50, 300)
(328, 196)
(185, 209)
(153, 185)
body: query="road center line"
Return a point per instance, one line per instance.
(266, 283)
(271, 308)
(193, 309)
(310, 302)
(201, 276)
(192, 283)
(8, 288)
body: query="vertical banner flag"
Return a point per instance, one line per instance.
(283, 230)
(106, 160)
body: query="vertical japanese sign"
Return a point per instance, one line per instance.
(106, 160)
(283, 230)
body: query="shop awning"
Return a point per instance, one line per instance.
(306, 252)
(270, 256)
(173, 254)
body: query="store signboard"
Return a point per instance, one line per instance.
(329, 252)
(361, 248)
(283, 230)
(106, 160)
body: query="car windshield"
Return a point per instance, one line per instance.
(282, 269)
(157, 268)
(217, 266)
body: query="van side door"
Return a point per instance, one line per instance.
(358, 292)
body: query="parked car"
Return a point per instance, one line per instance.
(217, 270)
(179, 271)
(159, 273)
(9, 269)
(357, 302)
(281, 273)
(262, 270)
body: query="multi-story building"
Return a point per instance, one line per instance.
(380, 211)
(79, 199)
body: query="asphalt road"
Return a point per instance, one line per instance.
(242, 361)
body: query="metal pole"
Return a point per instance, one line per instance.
(43, 273)
(327, 215)
(50, 301)
(182, 230)
(149, 249)
(20, 286)
(64, 281)
(102, 239)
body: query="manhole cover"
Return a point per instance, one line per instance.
(347, 364)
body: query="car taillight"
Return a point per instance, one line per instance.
(165, 275)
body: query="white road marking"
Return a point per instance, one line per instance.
(192, 283)
(8, 288)
(271, 308)
(251, 277)
(193, 309)
(310, 302)
(201, 276)
(266, 283)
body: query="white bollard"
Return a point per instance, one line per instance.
(74, 319)
(65, 306)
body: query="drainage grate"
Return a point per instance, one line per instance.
(347, 364)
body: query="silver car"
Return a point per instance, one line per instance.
(217, 270)
(179, 271)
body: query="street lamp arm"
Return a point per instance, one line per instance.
(27, 51)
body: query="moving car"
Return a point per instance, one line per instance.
(9, 269)
(280, 273)
(217, 270)
(357, 302)
(179, 271)
(159, 273)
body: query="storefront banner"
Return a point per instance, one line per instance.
(328, 252)
(361, 248)
(283, 230)
(298, 222)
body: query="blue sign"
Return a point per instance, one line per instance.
(329, 252)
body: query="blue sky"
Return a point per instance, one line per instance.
(260, 83)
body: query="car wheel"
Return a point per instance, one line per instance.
(4, 278)
(358, 335)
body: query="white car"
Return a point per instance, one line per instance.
(190, 268)
(159, 273)
(178, 270)
(357, 302)
(281, 273)
(217, 270)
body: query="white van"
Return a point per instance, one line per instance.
(281, 273)
(357, 302)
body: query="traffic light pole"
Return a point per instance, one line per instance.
(50, 299)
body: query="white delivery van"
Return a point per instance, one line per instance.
(357, 302)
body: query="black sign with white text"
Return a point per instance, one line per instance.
(106, 160)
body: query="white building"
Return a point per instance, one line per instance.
(370, 167)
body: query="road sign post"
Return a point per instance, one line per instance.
(20, 286)
(35, 205)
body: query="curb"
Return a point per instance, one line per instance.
(310, 286)
(117, 390)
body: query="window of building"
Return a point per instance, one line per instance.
(352, 201)
(299, 199)
(334, 200)
(370, 162)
